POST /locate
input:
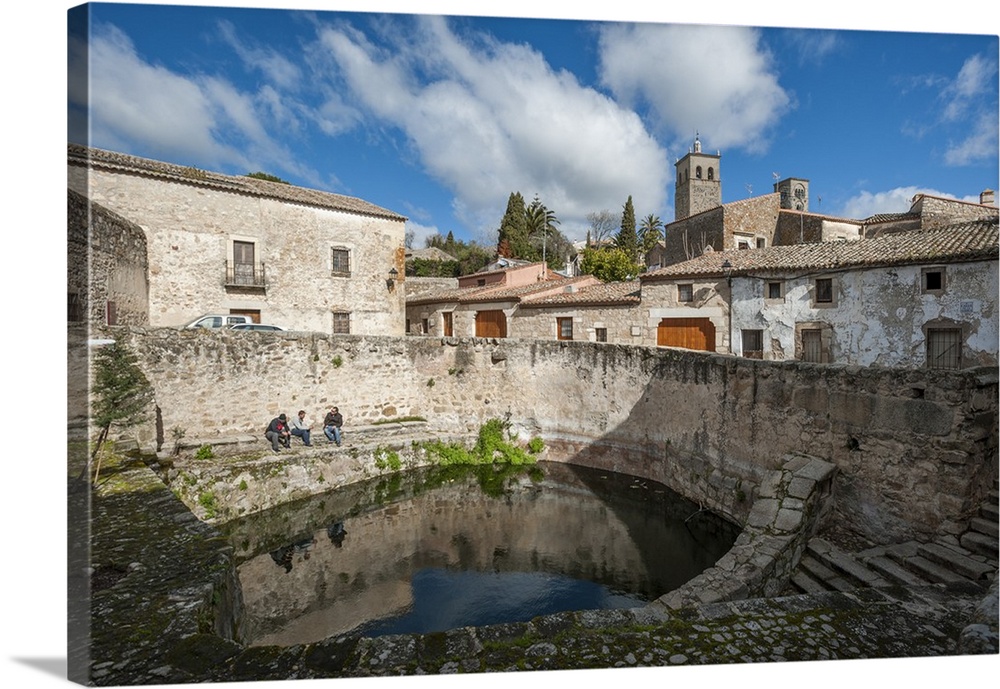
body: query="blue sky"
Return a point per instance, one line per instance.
(441, 117)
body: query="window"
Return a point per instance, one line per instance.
(243, 270)
(824, 291)
(340, 261)
(697, 172)
(447, 324)
(944, 348)
(743, 244)
(341, 323)
(753, 344)
(685, 292)
(564, 328)
(481, 282)
(601, 334)
(711, 173)
(932, 280)
(761, 243)
(425, 327)
(774, 290)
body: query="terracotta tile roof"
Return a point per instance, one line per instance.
(890, 217)
(976, 240)
(466, 295)
(605, 294)
(110, 160)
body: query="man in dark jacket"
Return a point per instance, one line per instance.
(332, 424)
(277, 432)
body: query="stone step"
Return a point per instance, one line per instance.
(932, 571)
(989, 511)
(831, 579)
(845, 564)
(955, 561)
(892, 571)
(806, 584)
(980, 543)
(987, 527)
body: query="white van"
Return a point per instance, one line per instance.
(216, 320)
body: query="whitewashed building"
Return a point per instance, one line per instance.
(919, 298)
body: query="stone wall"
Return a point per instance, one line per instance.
(938, 212)
(626, 324)
(114, 283)
(916, 449)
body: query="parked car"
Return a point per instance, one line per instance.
(255, 326)
(216, 320)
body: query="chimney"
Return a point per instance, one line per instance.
(986, 198)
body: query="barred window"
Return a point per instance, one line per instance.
(774, 290)
(753, 344)
(341, 323)
(944, 348)
(685, 292)
(341, 261)
(601, 334)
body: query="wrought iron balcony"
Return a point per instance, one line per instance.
(246, 275)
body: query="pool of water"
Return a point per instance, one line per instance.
(431, 550)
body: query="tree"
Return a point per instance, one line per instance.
(469, 257)
(627, 239)
(650, 232)
(541, 223)
(512, 238)
(602, 226)
(608, 265)
(122, 393)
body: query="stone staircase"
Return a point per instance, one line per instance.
(972, 557)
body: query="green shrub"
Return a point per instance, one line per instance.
(387, 459)
(337, 361)
(204, 452)
(536, 445)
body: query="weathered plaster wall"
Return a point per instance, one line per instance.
(916, 449)
(190, 230)
(887, 329)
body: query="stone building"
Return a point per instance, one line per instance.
(919, 298)
(484, 303)
(112, 287)
(295, 257)
(702, 222)
(927, 212)
(601, 312)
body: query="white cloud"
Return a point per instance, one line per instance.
(717, 80)
(979, 146)
(488, 118)
(196, 119)
(421, 233)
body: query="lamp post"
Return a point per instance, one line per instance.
(728, 268)
(390, 283)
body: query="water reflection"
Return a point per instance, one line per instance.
(429, 552)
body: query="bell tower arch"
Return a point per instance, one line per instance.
(698, 185)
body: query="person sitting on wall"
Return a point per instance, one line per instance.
(301, 428)
(277, 432)
(332, 424)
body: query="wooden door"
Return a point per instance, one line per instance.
(690, 333)
(449, 329)
(491, 324)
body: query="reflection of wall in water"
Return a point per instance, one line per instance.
(454, 527)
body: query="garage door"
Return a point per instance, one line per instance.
(690, 333)
(491, 324)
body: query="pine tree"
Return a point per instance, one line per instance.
(512, 239)
(628, 240)
(122, 393)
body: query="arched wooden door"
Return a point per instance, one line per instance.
(491, 324)
(690, 333)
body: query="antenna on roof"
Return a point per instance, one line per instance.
(749, 189)
(776, 176)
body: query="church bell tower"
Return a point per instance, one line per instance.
(698, 186)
